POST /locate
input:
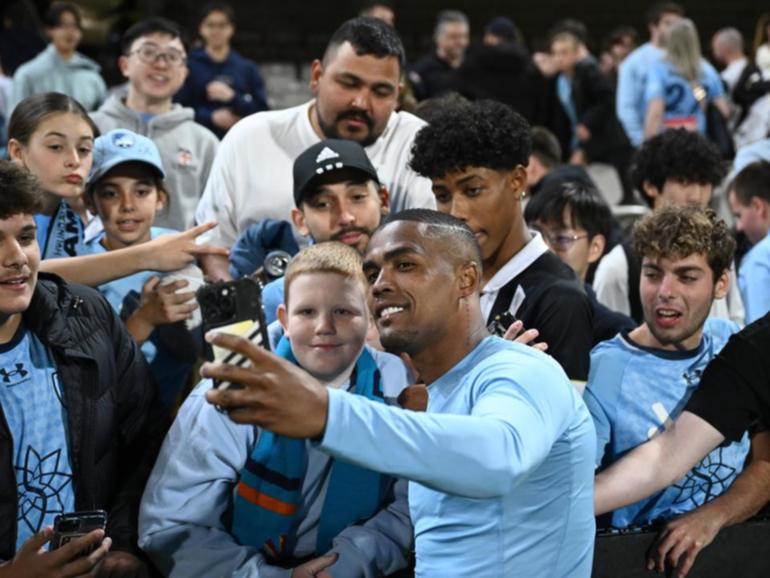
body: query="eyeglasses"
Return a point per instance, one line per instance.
(562, 242)
(150, 54)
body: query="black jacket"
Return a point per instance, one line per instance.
(115, 425)
(594, 102)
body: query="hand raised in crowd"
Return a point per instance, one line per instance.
(582, 132)
(277, 395)
(686, 535)
(516, 333)
(33, 561)
(174, 251)
(221, 91)
(160, 304)
(224, 118)
(121, 565)
(315, 568)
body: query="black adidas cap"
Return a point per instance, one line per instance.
(327, 156)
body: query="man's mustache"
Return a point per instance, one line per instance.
(356, 115)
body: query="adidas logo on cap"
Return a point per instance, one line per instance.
(326, 154)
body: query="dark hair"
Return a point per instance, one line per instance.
(617, 35)
(588, 209)
(456, 233)
(431, 107)
(571, 27)
(53, 15)
(476, 134)
(152, 26)
(545, 146)
(368, 5)
(752, 181)
(367, 36)
(680, 155)
(19, 191)
(157, 181)
(676, 232)
(222, 7)
(656, 11)
(31, 111)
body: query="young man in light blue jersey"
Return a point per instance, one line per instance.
(632, 77)
(500, 465)
(641, 379)
(749, 197)
(233, 500)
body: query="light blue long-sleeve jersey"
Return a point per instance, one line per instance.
(501, 465)
(754, 280)
(632, 80)
(634, 393)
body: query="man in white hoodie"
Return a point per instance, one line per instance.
(154, 62)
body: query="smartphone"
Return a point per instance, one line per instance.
(68, 527)
(500, 323)
(233, 307)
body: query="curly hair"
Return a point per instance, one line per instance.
(474, 134)
(679, 155)
(676, 232)
(19, 191)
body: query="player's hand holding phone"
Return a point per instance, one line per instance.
(33, 561)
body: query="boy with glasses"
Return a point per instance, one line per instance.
(576, 224)
(154, 62)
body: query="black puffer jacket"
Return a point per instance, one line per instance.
(115, 425)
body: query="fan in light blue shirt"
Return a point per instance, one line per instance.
(634, 393)
(33, 405)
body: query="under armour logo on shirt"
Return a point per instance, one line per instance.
(325, 155)
(7, 375)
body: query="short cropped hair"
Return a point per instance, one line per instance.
(20, 192)
(752, 181)
(680, 155)
(588, 209)
(328, 257)
(449, 17)
(368, 36)
(152, 26)
(444, 227)
(53, 15)
(484, 134)
(656, 11)
(546, 147)
(676, 232)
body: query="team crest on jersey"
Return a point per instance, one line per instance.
(18, 372)
(185, 157)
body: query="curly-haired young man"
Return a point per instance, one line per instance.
(654, 383)
(677, 167)
(476, 154)
(639, 378)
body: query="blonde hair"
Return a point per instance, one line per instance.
(329, 257)
(683, 49)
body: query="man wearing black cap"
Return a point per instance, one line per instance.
(338, 197)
